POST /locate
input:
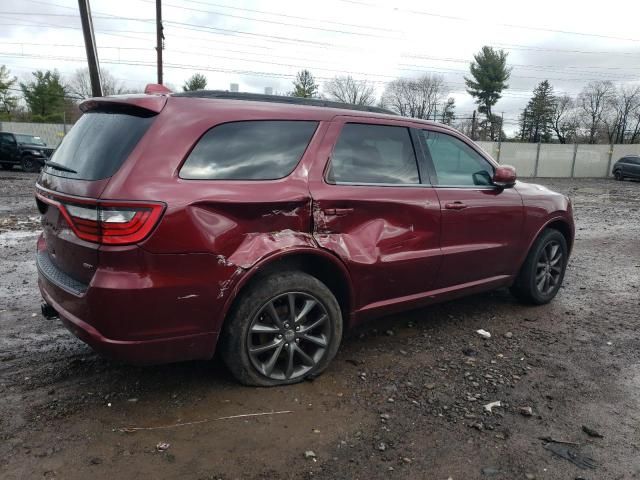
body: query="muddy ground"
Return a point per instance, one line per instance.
(403, 399)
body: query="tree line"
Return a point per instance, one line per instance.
(48, 97)
(601, 113)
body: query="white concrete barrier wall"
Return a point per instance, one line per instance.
(490, 147)
(520, 155)
(557, 160)
(592, 161)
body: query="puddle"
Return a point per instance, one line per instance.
(10, 239)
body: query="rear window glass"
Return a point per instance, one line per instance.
(252, 150)
(98, 145)
(376, 154)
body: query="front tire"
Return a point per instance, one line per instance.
(543, 270)
(283, 328)
(30, 164)
(618, 175)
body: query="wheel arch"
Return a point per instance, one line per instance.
(318, 263)
(563, 227)
(559, 223)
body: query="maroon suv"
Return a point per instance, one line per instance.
(175, 223)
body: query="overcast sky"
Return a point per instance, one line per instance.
(259, 43)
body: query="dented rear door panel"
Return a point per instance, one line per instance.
(388, 236)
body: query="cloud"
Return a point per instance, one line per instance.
(259, 43)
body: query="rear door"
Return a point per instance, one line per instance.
(371, 209)
(80, 168)
(481, 224)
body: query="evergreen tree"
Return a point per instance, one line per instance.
(490, 74)
(197, 81)
(8, 100)
(537, 118)
(304, 85)
(45, 95)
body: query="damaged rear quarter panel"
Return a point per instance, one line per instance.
(238, 223)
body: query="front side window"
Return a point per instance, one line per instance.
(251, 150)
(455, 162)
(377, 154)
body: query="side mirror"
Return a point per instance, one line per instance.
(504, 176)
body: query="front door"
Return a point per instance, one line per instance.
(481, 224)
(372, 211)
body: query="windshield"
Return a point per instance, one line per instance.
(31, 139)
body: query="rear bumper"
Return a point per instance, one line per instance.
(136, 352)
(139, 307)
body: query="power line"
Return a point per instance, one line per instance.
(275, 22)
(421, 69)
(513, 94)
(324, 21)
(284, 15)
(509, 25)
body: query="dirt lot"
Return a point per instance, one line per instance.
(403, 399)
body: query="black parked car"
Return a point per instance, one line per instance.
(627, 167)
(28, 151)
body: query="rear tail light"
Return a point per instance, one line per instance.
(108, 222)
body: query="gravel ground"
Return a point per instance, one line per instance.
(404, 398)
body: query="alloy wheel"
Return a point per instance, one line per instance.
(549, 267)
(288, 336)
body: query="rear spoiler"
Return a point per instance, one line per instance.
(152, 101)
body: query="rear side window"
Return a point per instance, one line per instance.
(251, 150)
(373, 154)
(98, 144)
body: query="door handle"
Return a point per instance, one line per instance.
(337, 212)
(455, 206)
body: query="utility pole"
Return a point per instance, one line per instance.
(500, 135)
(90, 46)
(159, 38)
(473, 126)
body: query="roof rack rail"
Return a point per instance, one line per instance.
(258, 97)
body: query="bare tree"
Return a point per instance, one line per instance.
(465, 126)
(80, 84)
(346, 89)
(635, 127)
(619, 115)
(418, 98)
(564, 120)
(593, 101)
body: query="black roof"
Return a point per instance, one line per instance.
(257, 97)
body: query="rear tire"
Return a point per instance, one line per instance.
(30, 164)
(264, 344)
(6, 166)
(543, 270)
(618, 175)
